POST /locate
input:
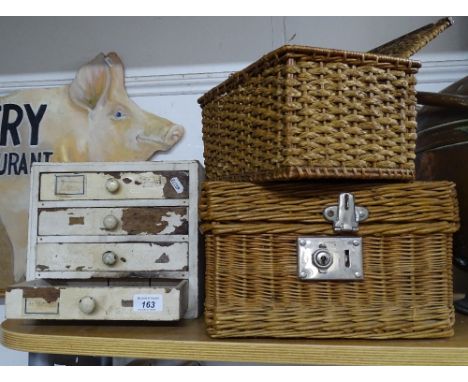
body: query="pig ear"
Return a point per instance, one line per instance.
(116, 68)
(113, 59)
(91, 83)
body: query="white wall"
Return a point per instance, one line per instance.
(172, 61)
(54, 44)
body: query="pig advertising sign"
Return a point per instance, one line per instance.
(92, 119)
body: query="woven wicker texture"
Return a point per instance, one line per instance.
(252, 287)
(303, 112)
(407, 45)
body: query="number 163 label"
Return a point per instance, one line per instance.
(147, 303)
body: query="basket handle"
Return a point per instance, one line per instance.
(443, 100)
(407, 45)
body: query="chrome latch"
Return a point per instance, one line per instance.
(330, 258)
(345, 216)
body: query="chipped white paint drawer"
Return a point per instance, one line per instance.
(85, 260)
(113, 221)
(114, 185)
(116, 220)
(155, 300)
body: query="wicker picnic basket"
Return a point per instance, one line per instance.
(253, 288)
(304, 112)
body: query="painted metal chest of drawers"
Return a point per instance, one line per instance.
(110, 231)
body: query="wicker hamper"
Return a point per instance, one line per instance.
(303, 112)
(258, 239)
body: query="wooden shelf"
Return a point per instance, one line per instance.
(188, 340)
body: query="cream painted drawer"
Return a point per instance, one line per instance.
(59, 260)
(114, 185)
(155, 300)
(146, 213)
(113, 221)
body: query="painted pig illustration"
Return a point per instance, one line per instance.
(92, 119)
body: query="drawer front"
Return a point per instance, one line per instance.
(111, 257)
(114, 185)
(113, 221)
(39, 305)
(156, 301)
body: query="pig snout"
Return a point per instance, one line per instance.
(174, 134)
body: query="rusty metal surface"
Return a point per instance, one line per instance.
(139, 220)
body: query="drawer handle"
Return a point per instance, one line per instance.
(87, 304)
(112, 185)
(110, 222)
(109, 258)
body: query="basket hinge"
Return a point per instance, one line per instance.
(345, 216)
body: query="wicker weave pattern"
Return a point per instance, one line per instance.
(308, 113)
(407, 45)
(252, 288)
(299, 203)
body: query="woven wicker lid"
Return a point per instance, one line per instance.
(408, 44)
(296, 51)
(302, 203)
(395, 53)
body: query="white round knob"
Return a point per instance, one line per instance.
(110, 222)
(87, 305)
(109, 258)
(112, 185)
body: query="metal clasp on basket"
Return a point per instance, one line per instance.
(334, 257)
(345, 216)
